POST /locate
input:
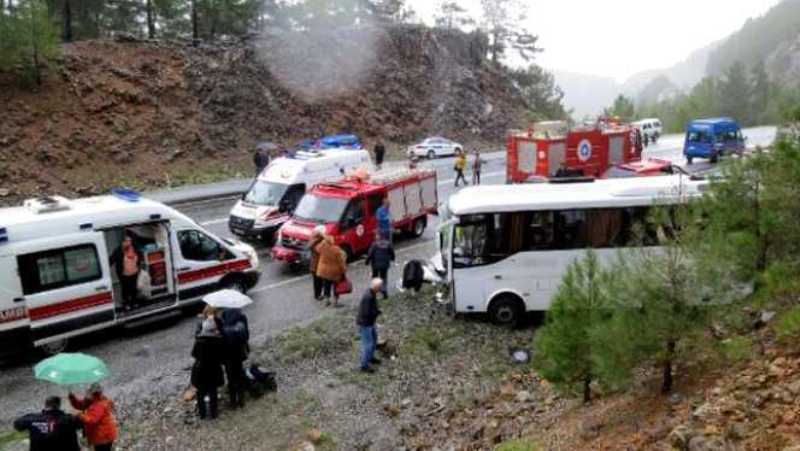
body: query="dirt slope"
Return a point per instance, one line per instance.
(149, 114)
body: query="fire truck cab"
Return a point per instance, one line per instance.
(347, 209)
(590, 150)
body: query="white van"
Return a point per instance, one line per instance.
(650, 128)
(60, 275)
(275, 193)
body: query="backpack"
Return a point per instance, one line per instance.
(413, 275)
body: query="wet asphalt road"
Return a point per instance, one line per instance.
(155, 358)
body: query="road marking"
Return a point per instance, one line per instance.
(214, 222)
(283, 283)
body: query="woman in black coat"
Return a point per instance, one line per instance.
(207, 375)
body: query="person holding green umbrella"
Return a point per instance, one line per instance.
(96, 411)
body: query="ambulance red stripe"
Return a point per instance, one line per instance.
(72, 305)
(213, 271)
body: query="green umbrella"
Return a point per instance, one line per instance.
(71, 369)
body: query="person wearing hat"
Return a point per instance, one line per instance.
(207, 374)
(97, 416)
(52, 429)
(316, 237)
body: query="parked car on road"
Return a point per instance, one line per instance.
(650, 129)
(712, 139)
(434, 147)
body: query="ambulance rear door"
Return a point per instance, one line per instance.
(66, 286)
(14, 323)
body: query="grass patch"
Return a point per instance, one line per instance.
(316, 340)
(8, 438)
(517, 445)
(788, 325)
(737, 349)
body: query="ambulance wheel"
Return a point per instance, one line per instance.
(418, 228)
(507, 310)
(55, 347)
(431, 155)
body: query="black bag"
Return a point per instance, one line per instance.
(260, 380)
(413, 275)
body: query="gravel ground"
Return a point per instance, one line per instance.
(432, 362)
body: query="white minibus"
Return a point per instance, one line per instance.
(504, 248)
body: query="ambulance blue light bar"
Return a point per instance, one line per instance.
(126, 194)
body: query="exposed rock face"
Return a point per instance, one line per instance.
(143, 110)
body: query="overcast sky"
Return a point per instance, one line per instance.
(618, 38)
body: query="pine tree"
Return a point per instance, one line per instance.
(28, 39)
(504, 22)
(734, 92)
(623, 108)
(564, 346)
(664, 293)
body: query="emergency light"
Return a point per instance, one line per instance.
(128, 195)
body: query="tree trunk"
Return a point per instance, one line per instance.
(151, 26)
(194, 22)
(67, 21)
(587, 391)
(666, 384)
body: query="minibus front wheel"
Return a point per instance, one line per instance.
(507, 310)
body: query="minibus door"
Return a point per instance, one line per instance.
(66, 285)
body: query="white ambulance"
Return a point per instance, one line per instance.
(276, 192)
(59, 276)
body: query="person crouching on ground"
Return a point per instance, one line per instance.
(367, 315)
(380, 257)
(236, 332)
(331, 268)
(207, 374)
(97, 416)
(316, 237)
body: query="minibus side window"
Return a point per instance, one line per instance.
(58, 268)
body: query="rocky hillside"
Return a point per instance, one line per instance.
(148, 114)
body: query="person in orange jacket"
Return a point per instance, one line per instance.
(97, 416)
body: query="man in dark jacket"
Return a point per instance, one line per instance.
(381, 256)
(367, 315)
(380, 152)
(236, 332)
(51, 430)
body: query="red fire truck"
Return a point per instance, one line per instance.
(586, 150)
(347, 210)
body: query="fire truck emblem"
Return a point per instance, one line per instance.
(584, 150)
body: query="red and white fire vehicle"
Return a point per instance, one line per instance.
(585, 151)
(347, 210)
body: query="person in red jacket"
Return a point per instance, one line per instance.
(97, 416)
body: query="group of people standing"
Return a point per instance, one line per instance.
(220, 348)
(460, 166)
(55, 430)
